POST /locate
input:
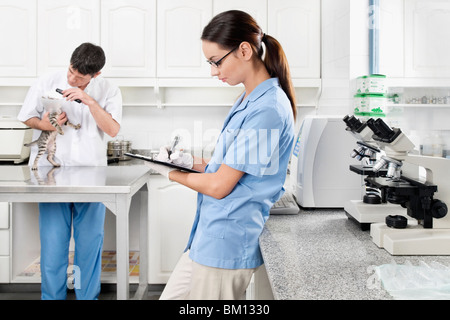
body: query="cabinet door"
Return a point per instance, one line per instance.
(427, 30)
(172, 210)
(296, 25)
(4, 215)
(256, 8)
(128, 36)
(18, 38)
(62, 26)
(180, 26)
(4, 242)
(4, 269)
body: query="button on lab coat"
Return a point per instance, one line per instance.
(83, 147)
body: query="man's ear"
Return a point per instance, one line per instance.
(97, 74)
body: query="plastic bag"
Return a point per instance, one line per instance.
(409, 282)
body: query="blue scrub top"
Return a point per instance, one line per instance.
(257, 138)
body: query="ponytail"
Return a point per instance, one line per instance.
(277, 66)
(230, 28)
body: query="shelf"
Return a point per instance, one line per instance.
(413, 105)
(32, 273)
(418, 82)
(17, 82)
(168, 92)
(301, 105)
(163, 82)
(11, 104)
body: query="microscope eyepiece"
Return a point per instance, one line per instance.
(353, 123)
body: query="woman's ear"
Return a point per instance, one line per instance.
(245, 51)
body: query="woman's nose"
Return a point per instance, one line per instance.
(214, 71)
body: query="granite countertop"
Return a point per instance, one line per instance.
(322, 254)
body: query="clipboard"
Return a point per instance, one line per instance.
(167, 164)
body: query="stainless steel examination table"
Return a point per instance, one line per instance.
(113, 186)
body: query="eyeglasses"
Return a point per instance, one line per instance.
(218, 62)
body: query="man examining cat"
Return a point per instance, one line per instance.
(99, 113)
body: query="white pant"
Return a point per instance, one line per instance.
(193, 281)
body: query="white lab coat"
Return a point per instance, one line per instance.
(83, 147)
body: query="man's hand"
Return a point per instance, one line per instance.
(47, 126)
(73, 94)
(103, 119)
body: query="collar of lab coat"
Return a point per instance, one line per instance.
(254, 95)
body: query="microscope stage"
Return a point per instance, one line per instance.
(369, 213)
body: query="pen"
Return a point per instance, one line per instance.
(174, 144)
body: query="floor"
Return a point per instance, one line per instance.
(32, 292)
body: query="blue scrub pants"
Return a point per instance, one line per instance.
(55, 225)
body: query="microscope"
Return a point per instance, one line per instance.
(426, 229)
(371, 208)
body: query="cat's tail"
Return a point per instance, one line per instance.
(30, 144)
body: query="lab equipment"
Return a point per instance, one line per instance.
(61, 92)
(425, 197)
(319, 164)
(13, 135)
(369, 208)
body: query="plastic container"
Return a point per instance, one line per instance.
(437, 145)
(371, 84)
(373, 105)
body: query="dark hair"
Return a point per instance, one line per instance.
(88, 59)
(230, 28)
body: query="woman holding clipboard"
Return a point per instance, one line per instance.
(246, 173)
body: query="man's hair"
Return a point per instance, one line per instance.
(88, 59)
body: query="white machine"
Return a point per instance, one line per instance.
(13, 135)
(427, 231)
(320, 164)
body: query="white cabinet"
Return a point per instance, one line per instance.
(18, 38)
(256, 8)
(4, 215)
(172, 210)
(296, 25)
(145, 39)
(413, 37)
(128, 36)
(427, 30)
(180, 25)
(4, 243)
(62, 26)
